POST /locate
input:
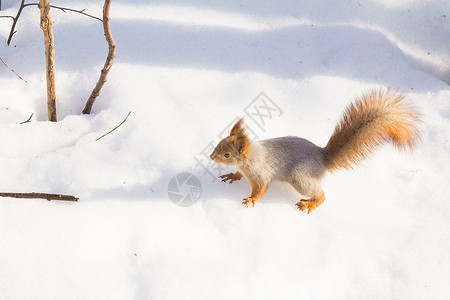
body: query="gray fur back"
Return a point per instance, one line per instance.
(286, 158)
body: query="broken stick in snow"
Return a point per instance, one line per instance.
(11, 69)
(28, 120)
(49, 197)
(115, 127)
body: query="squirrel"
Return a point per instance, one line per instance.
(370, 121)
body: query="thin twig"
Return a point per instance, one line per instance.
(11, 33)
(11, 69)
(114, 127)
(27, 120)
(22, 5)
(69, 9)
(49, 197)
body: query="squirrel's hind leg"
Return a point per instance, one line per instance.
(309, 187)
(311, 204)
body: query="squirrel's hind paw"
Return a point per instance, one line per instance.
(311, 204)
(304, 204)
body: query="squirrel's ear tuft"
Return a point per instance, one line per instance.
(241, 141)
(237, 127)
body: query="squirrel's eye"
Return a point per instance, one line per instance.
(227, 155)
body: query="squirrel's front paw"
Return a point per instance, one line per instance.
(231, 177)
(249, 201)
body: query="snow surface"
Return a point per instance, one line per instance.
(186, 70)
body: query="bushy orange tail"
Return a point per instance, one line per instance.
(371, 121)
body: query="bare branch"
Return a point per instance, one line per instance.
(109, 59)
(114, 127)
(12, 69)
(23, 5)
(64, 9)
(11, 33)
(49, 197)
(29, 119)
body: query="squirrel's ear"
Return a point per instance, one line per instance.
(241, 142)
(237, 127)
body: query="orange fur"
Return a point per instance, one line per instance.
(370, 121)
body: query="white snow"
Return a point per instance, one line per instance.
(186, 70)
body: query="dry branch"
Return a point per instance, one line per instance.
(115, 127)
(46, 26)
(11, 69)
(23, 5)
(49, 197)
(109, 59)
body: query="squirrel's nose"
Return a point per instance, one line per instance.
(211, 156)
